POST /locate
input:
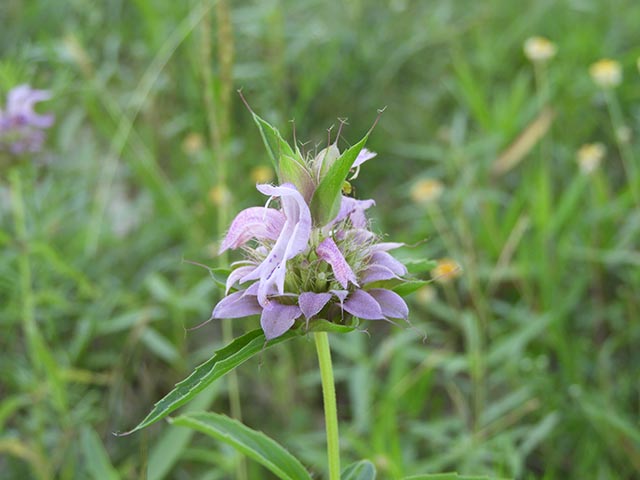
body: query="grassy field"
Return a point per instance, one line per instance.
(531, 363)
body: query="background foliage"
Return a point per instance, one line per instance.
(530, 364)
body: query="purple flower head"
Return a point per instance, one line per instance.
(300, 263)
(21, 128)
(293, 271)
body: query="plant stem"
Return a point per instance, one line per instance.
(329, 399)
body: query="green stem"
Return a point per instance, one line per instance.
(628, 165)
(330, 408)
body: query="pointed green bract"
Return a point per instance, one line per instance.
(276, 145)
(255, 445)
(222, 362)
(293, 170)
(362, 470)
(326, 199)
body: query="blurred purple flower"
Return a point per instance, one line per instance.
(21, 128)
(294, 270)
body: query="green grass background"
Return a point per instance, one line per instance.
(531, 363)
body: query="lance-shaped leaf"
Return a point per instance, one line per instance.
(362, 470)
(222, 361)
(255, 445)
(276, 145)
(451, 476)
(325, 203)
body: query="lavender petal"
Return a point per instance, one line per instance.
(311, 303)
(362, 305)
(392, 304)
(277, 318)
(376, 273)
(363, 156)
(292, 240)
(384, 259)
(254, 222)
(236, 305)
(328, 251)
(236, 275)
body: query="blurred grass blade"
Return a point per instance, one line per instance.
(255, 445)
(450, 476)
(222, 362)
(170, 446)
(362, 470)
(96, 458)
(326, 199)
(525, 142)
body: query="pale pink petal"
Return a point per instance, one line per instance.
(277, 318)
(255, 222)
(362, 305)
(236, 305)
(20, 103)
(311, 303)
(386, 246)
(363, 156)
(386, 260)
(328, 251)
(236, 275)
(354, 209)
(293, 239)
(375, 273)
(392, 304)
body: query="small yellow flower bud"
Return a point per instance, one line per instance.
(606, 73)
(539, 49)
(426, 191)
(446, 270)
(589, 157)
(220, 196)
(261, 174)
(192, 143)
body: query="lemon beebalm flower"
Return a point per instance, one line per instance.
(539, 49)
(606, 73)
(446, 270)
(426, 191)
(590, 156)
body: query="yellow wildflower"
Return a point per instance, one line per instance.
(539, 49)
(446, 270)
(192, 143)
(606, 73)
(590, 156)
(426, 191)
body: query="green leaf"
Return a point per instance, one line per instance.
(276, 145)
(222, 362)
(174, 440)
(326, 199)
(255, 445)
(362, 470)
(96, 457)
(416, 266)
(321, 325)
(410, 286)
(294, 171)
(450, 476)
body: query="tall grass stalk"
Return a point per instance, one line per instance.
(219, 121)
(617, 122)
